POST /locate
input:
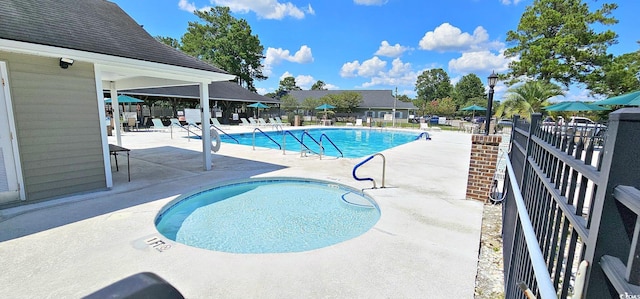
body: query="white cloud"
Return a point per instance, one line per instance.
(349, 69)
(447, 37)
(367, 68)
(187, 6)
(275, 56)
(306, 81)
(371, 67)
(268, 9)
(479, 61)
(370, 2)
(390, 51)
(508, 2)
(400, 73)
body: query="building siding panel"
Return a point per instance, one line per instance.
(57, 126)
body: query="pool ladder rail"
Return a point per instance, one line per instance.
(265, 134)
(384, 166)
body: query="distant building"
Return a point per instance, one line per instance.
(375, 103)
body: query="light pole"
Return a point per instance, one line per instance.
(492, 79)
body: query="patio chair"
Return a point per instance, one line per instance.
(217, 123)
(261, 122)
(245, 122)
(158, 125)
(175, 122)
(358, 122)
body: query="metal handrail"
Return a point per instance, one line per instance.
(284, 142)
(384, 162)
(545, 285)
(314, 140)
(225, 133)
(425, 134)
(334, 145)
(265, 134)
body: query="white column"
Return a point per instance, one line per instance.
(206, 115)
(116, 115)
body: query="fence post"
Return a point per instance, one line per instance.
(620, 166)
(482, 165)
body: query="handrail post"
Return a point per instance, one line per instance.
(384, 163)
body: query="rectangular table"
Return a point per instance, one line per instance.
(114, 150)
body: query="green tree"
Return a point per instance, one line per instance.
(346, 101)
(404, 98)
(289, 103)
(621, 76)
(446, 106)
(556, 40)
(431, 85)
(527, 98)
(225, 42)
(468, 90)
(310, 104)
(287, 84)
(169, 41)
(319, 85)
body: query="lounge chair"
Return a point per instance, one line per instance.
(245, 122)
(261, 122)
(253, 122)
(216, 123)
(158, 125)
(175, 122)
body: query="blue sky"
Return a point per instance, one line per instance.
(374, 44)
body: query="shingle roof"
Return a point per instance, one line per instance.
(370, 98)
(222, 90)
(96, 26)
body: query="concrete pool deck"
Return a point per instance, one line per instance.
(425, 244)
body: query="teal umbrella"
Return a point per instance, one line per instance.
(124, 99)
(324, 107)
(258, 106)
(628, 99)
(473, 109)
(574, 106)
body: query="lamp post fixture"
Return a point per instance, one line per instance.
(492, 79)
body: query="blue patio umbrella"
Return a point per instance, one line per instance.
(473, 109)
(324, 107)
(124, 99)
(574, 106)
(258, 106)
(627, 99)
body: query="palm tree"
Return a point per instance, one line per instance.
(528, 98)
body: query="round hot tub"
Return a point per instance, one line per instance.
(268, 215)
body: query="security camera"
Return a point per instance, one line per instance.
(65, 62)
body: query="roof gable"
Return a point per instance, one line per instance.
(222, 90)
(95, 26)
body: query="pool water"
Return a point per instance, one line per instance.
(274, 215)
(353, 143)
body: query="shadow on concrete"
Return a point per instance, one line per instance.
(156, 173)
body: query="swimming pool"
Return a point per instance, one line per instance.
(353, 143)
(268, 215)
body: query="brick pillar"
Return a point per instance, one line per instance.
(482, 165)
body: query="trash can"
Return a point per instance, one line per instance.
(296, 120)
(109, 130)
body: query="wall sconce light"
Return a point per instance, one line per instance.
(65, 62)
